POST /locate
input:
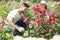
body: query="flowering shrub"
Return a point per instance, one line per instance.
(39, 25)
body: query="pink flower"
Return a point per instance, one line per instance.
(35, 23)
(35, 12)
(36, 7)
(51, 13)
(52, 21)
(25, 20)
(38, 20)
(52, 18)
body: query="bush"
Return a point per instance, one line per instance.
(35, 31)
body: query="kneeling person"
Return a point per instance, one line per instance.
(14, 19)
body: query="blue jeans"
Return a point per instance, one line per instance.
(21, 24)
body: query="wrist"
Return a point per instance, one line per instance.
(16, 27)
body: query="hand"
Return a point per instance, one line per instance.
(21, 29)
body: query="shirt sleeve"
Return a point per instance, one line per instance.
(11, 15)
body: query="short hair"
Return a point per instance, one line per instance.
(26, 5)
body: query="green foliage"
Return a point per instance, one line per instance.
(5, 35)
(5, 8)
(31, 30)
(39, 31)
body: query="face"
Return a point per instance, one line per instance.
(25, 9)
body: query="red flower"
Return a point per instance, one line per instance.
(51, 13)
(38, 20)
(35, 12)
(52, 20)
(25, 20)
(42, 10)
(35, 7)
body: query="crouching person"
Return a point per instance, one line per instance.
(15, 19)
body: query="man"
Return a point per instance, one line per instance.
(14, 18)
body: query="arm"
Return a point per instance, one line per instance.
(11, 22)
